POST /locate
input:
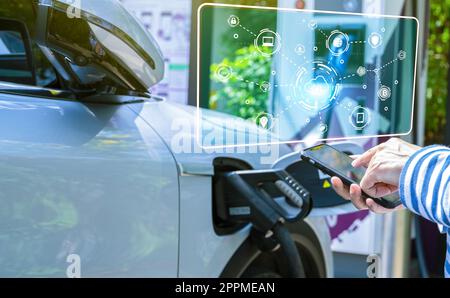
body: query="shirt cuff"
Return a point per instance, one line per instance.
(443, 229)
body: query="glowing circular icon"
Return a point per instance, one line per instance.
(265, 120)
(233, 21)
(316, 87)
(360, 117)
(268, 42)
(300, 49)
(265, 87)
(361, 71)
(384, 93)
(236, 36)
(223, 73)
(401, 55)
(338, 43)
(375, 40)
(323, 128)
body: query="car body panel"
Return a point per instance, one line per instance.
(95, 181)
(203, 253)
(176, 124)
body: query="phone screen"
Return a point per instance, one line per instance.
(341, 164)
(336, 161)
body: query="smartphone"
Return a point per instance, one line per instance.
(336, 163)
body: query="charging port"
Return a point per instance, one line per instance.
(266, 199)
(223, 166)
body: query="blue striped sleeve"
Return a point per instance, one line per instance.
(447, 259)
(424, 184)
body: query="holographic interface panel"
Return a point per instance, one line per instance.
(306, 75)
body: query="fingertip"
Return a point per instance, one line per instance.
(354, 189)
(335, 181)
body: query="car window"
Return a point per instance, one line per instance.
(14, 63)
(11, 43)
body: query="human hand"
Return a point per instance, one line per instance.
(354, 194)
(384, 165)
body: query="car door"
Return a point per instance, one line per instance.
(86, 190)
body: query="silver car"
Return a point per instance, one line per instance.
(93, 179)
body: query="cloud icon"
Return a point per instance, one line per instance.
(318, 88)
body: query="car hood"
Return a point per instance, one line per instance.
(176, 125)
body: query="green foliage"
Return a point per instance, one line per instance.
(439, 59)
(236, 96)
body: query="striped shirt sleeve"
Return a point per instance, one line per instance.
(424, 188)
(447, 259)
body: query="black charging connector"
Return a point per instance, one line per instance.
(266, 199)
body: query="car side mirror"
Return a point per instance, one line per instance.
(16, 62)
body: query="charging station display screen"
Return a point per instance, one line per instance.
(303, 75)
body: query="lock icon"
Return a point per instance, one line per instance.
(233, 21)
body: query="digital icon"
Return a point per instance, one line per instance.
(361, 71)
(401, 55)
(233, 21)
(375, 40)
(360, 117)
(265, 120)
(316, 87)
(236, 36)
(265, 87)
(384, 93)
(268, 42)
(223, 73)
(323, 128)
(300, 49)
(338, 43)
